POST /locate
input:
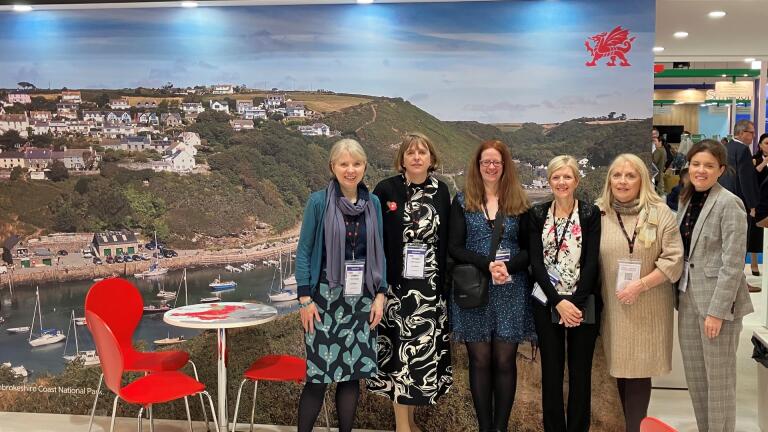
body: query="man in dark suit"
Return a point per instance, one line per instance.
(740, 178)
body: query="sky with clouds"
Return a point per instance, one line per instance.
(511, 61)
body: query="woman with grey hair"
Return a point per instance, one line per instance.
(340, 270)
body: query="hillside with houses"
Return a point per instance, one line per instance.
(203, 164)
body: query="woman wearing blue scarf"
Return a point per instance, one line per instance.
(341, 282)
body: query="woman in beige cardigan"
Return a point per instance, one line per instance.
(641, 255)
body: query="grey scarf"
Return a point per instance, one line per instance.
(336, 207)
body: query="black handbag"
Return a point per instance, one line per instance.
(469, 283)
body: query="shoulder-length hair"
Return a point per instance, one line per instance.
(346, 145)
(512, 198)
(415, 139)
(712, 147)
(647, 196)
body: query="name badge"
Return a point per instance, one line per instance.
(415, 257)
(504, 254)
(682, 285)
(538, 294)
(354, 275)
(629, 270)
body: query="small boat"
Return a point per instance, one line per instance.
(169, 295)
(98, 279)
(232, 269)
(46, 336)
(154, 309)
(80, 321)
(209, 299)
(220, 285)
(282, 293)
(153, 271)
(18, 371)
(88, 357)
(248, 266)
(290, 282)
(170, 341)
(14, 330)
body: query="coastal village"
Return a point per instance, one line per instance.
(154, 126)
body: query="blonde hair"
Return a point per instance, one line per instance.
(647, 195)
(512, 198)
(412, 139)
(563, 161)
(346, 145)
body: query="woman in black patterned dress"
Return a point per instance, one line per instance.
(413, 341)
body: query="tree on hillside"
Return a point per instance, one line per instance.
(58, 171)
(18, 173)
(10, 140)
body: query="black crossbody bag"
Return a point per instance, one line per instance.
(469, 283)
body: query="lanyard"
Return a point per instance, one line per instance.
(630, 242)
(488, 217)
(353, 238)
(559, 243)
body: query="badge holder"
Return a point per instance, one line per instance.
(354, 276)
(415, 260)
(629, 270)
(504, 254)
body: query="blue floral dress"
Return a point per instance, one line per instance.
(508, 316)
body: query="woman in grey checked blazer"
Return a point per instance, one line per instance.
(712, 294)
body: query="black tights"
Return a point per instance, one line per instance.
(635, 394)
(492, 381)
(313, 396)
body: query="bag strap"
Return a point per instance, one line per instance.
(498, 228)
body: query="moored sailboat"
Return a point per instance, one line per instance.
(46, 336)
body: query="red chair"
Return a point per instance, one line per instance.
(652, 424)
(157, 387)
(273, 368)
(119, 303)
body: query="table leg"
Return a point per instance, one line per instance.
(222, 378)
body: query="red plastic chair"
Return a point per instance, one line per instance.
(652, 424)
(273, 368)
(157, 387)
(119, 303)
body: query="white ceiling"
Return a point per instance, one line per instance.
(742, 33)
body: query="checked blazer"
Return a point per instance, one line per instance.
(716, 262)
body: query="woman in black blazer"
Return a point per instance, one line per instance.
(564, 251)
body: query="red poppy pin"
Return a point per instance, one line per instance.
(392, 205)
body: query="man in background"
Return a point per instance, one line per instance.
(740, 177)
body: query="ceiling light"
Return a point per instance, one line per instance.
(745, 75)
(189, 4)
(364, 1)
(749, 59)
(757, 64)
(658, 49)
(22, 8)
(716, 14)
(680, 34)
(723, 75)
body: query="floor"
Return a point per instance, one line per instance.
(672, 406)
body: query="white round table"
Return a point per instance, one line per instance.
(221, 316)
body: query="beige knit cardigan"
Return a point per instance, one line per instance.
(637, 338)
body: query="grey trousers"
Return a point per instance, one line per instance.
(710, 368)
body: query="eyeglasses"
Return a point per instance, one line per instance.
(486, 163)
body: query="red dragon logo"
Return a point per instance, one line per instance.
(614, 45)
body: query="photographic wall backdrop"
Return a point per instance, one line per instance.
(209, 127)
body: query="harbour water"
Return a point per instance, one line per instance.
(59, 299)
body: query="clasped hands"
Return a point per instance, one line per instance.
(499, 272)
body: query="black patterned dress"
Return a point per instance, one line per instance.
(413, 340)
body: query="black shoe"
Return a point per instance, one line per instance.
(755, 272)
(754, 289)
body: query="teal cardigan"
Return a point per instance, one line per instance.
(309, 252)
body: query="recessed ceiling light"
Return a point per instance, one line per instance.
(680, 34)
(717, 14)
(364, 1)
(723, 75)
(658, 49)
(745, 75)
(189, 4)
(749, 59)
(22, 8)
